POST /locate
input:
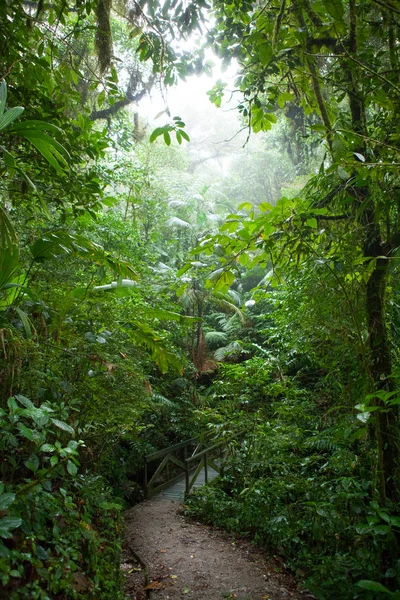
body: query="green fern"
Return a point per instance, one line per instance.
(233, 349)
(216, 337)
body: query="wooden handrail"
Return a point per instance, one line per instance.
(195, 456)
(161, 453)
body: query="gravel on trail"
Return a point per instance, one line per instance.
(169, 557)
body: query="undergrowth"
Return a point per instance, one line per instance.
(300, 484)
(59, 530)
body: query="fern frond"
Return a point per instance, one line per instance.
(160, 399)
(216, 337)
(321, 444)
(233, 349)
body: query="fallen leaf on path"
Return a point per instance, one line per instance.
(162, 550)
(155, 585)
(174, 576)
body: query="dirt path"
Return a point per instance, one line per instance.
(177, 559)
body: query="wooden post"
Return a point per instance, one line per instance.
(205, 469)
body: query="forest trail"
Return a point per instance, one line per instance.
(178, 559)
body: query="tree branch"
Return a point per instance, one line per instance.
(120, 104)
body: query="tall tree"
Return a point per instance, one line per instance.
(340, 62)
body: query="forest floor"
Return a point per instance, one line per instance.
(170, 557)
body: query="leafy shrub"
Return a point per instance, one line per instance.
(59, 530)
(303, 488)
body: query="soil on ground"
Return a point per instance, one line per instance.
(169, 557)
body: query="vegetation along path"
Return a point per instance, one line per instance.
(170, 557)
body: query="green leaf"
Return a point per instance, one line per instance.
(373, 586)
(8, 524)
(101, 98)
(167, 138)
(184, 135)
(72, 468)
(25, 322)
(47, 448)
(25, 431)
(37, 125)
(24, 401)
(63, 426)
(245, 206)
(41, 553)
(265, 53)
(10, 115)
(183, 270)
(283, 98)
(39, 416)
(334, 8)
(6, 500)
(49, 148)
(62, 242)
(54, 461)
(156, 133)
(32, 463)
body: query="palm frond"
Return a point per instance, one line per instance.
(224, 302)
(143, 335)
(176, 222)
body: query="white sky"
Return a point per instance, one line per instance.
(188, 94)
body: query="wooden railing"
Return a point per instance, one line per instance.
(186, 460)
(204, 459)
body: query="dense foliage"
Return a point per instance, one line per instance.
(144, 299)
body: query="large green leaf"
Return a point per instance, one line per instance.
(7, 526)
(63, 426)
(61, 243)
(6, 500)
(25, 322)
(55, 154)
(33, 124)
(10, 115)
(374, 586)
(335, 9)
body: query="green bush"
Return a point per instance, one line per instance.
(301, 486)
(59, 530)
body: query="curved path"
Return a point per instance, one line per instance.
(178, 559)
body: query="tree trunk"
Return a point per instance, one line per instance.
(386, 424)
